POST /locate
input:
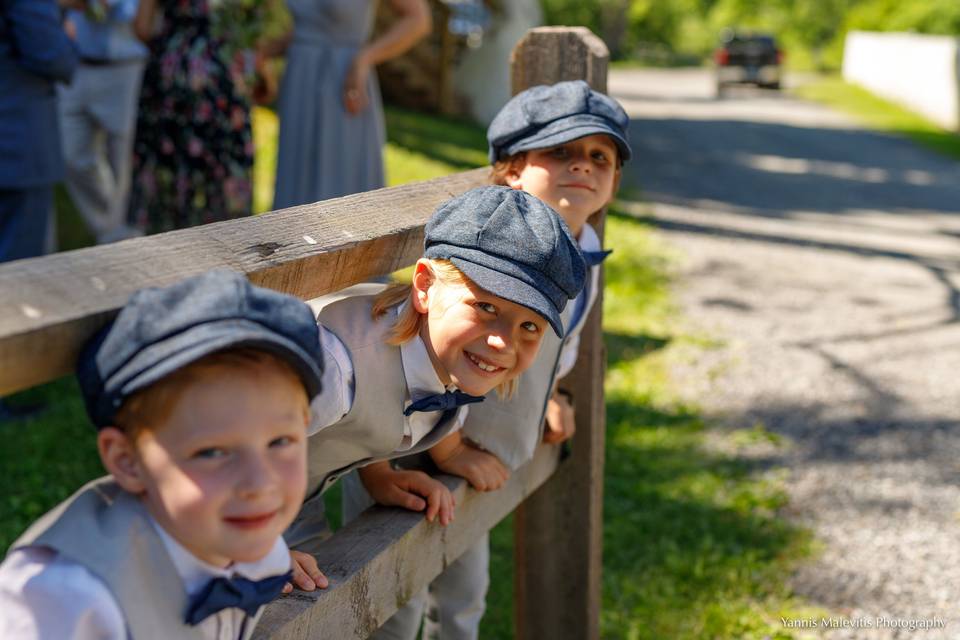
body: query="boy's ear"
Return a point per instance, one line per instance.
(119, 457)
(423, 279)
(512, 177)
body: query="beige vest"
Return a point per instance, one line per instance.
(108, 531)
(373, 428)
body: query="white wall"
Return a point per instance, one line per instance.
(483, 75)
(917, 71)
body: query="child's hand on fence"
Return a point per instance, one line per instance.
(306, 573)
(413, 490)
(482, 469)
(560, 422)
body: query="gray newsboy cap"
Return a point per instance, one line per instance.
(512, 245)
(548, 115)
(160, 330)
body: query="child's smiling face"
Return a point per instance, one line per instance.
(475, 339)
(225, 473)
(576, 178)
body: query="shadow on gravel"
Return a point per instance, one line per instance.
(687, 532)
(768, 170)
(777, 168)
(877, 438)
(940, 269)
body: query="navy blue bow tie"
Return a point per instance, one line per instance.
(442, 402)
(593, 258)
(224, 593)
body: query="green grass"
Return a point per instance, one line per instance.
(693, 543)
(880, 114)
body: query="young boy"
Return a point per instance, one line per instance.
(564, 144)
(496, 273)
(200, 393)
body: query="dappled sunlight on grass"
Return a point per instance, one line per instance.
(453, 143)
(266, 128)
(693, 544)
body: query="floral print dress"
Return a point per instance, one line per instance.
(193, 153)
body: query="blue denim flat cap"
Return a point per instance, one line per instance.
(162, 329)
(548, 115)
(512, 245)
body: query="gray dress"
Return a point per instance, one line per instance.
(324, 152)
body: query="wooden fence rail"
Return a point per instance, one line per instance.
(49, 306)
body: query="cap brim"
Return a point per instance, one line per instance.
(199, 341)
(563, 131)
(510, 288)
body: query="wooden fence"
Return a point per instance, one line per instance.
(51, 305)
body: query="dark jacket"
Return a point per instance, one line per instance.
(34, 54)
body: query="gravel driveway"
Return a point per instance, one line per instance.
(825, 260)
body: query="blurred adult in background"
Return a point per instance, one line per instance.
(193, 152)
(98, 114)
(34, 54)
(331, 119)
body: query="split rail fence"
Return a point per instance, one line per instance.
(49, 306)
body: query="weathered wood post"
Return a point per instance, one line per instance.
(558, 530)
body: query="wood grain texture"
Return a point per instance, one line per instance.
(547, 55)
(558, 531)
(381, 559)
(49, 306)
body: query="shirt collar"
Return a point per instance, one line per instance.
(588, 239)
(421, 378)
(195, 573)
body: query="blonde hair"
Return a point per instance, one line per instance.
(408, 322)
(151, 406)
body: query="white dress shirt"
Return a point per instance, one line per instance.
(336, 397)
(422, 381)
(44, 596)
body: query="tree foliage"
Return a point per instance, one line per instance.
(811, 30)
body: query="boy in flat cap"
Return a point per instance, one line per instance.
(564, 144)
(200, 392)
(497, 270)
